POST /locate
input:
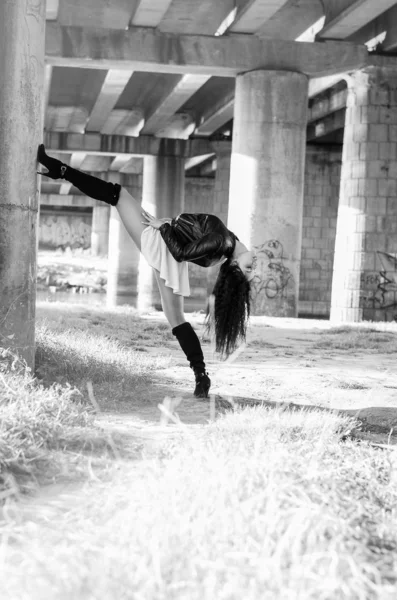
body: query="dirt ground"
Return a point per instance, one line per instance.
(279, 366)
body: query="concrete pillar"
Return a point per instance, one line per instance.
(221, 195)
(123, 255)
(320, 209)
(222, 179)
(163, 195)
(100, 230)
(22, 33)
(266, 182)
(364, 282)
(163, 191)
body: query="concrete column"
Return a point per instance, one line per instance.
(364, 282)
(100, 230)
(266, 182)
(163, 195)
(221, 195)
(222, 179)
(123, 255)
(163, 191)
(320, 209)
(22, 33)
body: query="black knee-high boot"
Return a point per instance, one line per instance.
(89, 185)
(191, 346)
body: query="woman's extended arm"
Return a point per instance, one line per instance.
(148, 219)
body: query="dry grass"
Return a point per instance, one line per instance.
(358, 338)
(261, 505)
(99, 346)
(46, 421)
(46, 434)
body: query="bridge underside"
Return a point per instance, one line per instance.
(277, 116)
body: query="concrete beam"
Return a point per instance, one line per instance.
(318, 129)
(109, 145)
(112, 88)
(216, 118)
(253, 14)
(195, 16)
(52, 8)
(179, 126)
(209, 168)
(147, 50)
(320, 84)
(97, 13)
(124, 122)
(66, 118)
(134, 166)
(186, 87)
(77, 159)
(65, 188)
(344, 17)
(292, 20)
(327, 103)
(150, 13)
(386, 23)
(224, 110)
(119, 162)
(195, 161)
(96, 164)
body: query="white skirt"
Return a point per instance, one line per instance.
(156, 253)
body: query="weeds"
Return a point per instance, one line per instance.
(74, 351)
(354, 338)
(261, 504)
(44, 433)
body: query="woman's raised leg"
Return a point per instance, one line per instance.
(115, 195)
(130, 213)
(183, 331)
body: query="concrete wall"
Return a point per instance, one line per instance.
(59, 229)
(321, 198)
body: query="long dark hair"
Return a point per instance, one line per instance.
(228, 316)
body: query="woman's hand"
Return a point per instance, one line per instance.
(148, 219)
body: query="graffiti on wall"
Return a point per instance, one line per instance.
(65, 231)
(380, 289)
(272, 275)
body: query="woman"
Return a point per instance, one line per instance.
(168, 245)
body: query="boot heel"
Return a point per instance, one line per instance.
(203, 384)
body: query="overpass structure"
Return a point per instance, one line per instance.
(289, 108)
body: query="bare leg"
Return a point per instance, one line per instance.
(173, 304)
(130, 213)
(129, 210)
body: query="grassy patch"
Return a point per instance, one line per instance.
(352, 338)
(75, 345)
(346, 384)
(261, 504)
(45, 433)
